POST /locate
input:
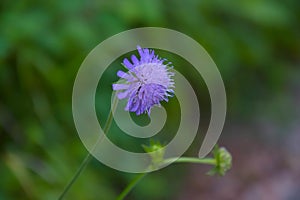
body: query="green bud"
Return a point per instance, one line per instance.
(156, 152)
(223, 161)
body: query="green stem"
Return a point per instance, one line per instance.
(84, 163)
(89, 156)
(135, 181)
(130, 186)
(209, 161)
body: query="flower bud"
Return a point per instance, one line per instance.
(223, 161)
(156, 152)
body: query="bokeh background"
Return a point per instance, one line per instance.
(255, 44)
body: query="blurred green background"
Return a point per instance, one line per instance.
(255, 44)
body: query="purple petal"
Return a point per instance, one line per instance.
(134, 105)
(152, 55)
(120, 86)
(134, 60)
(122, 95)
(140, 50)
(146, 55)
(122, 74)
(127, 64)
(146, 51)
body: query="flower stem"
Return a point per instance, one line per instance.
(130, 186)
(89, 156)
(135, 181)
(84, 163)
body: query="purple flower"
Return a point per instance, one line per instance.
(147, 82)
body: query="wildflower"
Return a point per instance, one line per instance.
(147, 82)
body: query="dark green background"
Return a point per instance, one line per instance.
(255, 44)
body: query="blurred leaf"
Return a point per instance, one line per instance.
(17, 166)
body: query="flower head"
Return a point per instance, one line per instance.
(147, 82)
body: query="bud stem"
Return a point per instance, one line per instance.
(209, 161)
(135, 181)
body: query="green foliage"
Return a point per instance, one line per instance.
(42, 44)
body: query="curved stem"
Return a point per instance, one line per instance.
(89, 156)
(135, 181)
(130, 186)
